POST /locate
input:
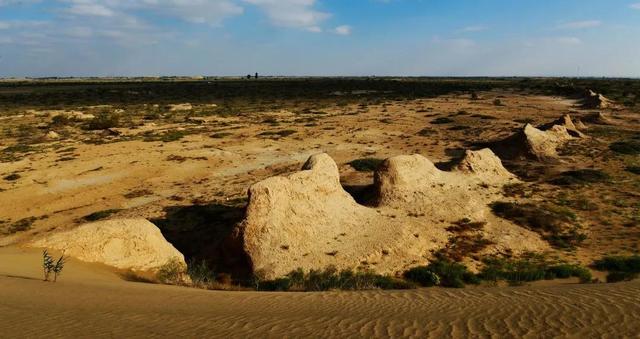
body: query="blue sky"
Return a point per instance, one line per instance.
(320, 37)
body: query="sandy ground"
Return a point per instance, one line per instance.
(92, 301)
(58, 186)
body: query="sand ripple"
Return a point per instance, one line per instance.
(30, 308)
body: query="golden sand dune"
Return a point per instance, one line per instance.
(90, 302)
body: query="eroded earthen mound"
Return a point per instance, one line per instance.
(537, 143)
(308, 221)
(414, 184)
(566, 122)
(135, 244)
(593, 100)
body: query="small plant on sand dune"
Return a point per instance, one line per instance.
(47, 264)
(51, 266)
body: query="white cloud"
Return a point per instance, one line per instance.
(343, 30)
(88, 8)
(580, 24)
(454, 44)
(195, 11)
(635, 6)
(16, 2)
(4, 25)
(476, 28)
(292, 13)
(565, 40)
(79, 32)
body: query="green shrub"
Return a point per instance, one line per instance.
(564, 271)
(331, 279)
(278, 134)
(579, 202)
(530, 268)
(221, 135)
(422, 276)
(614, 277)
(466, 225)
(425, 132)
(101, 215)
(619, 263)
(580, 177)
(168, 136)
(620, 268)
(567, 240)
(18, 148)
(172, 273)
(515, 190)
(103, 120)
(61, 120)
(631, 147)
(173, 135)
(484, 117)
(441, 121)
(452, 274)
(366, 164)
(199, 273)
(12, 177)
(633, 169)
(22, 225)
(543, 218)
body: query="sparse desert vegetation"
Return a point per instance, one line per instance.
(216, 127)
(319, 169)
(164, 174)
